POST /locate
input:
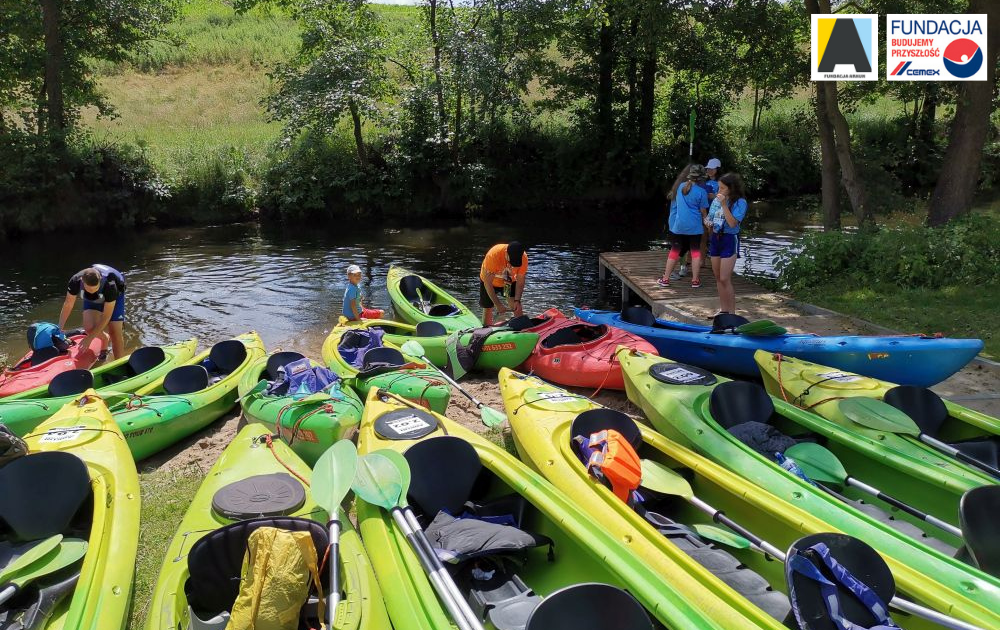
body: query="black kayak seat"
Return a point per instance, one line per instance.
(414, 289)
(863, 562)
(43, 354)
(279, 360)
(434, 487)
(922, 405)
(431, 329)
(977, 513)
(382, 357)
(726, 322)
(638, 315)
(71, 383)
(589, 606)
(596, 420)
(563, 337)
(735, 402)
(145, 359)
(61, 478)
(443, 310)
(523, 322)
(215, 562)
(228, 355)
(185, 379)
(986, 450)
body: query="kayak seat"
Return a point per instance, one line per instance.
(355, 343)
(185, 379)
(434, 487)
(562, 337)
(638, 315)
(589, 606)
(41, 356)
(735, 402)
(145, 359)
(977, 514)
(71, 383)
(922, 405)
(523, 322)
(431, 329)
(228, 355)
(379, 361)
(215, 566)
(986, 450)
(596, 420)
(443, 310)
(279, 360)
(60, 477)
(413, 287)
(727, 322)
(275, 494)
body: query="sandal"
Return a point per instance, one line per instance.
(663, 282)
(696, 284)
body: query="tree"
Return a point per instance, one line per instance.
(960, 172)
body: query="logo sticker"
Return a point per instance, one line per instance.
(843, 47)
(496, 347)
(408, 424)
(935, 47)
(62, 435)
(872, 356)
(839, 377)
(556, 397)
(680, 375)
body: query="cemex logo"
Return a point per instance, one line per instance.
(935, 47)
(844, 47)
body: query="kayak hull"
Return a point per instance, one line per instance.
(22, 412)
(309, 429)
(461, 319)
(248, 455)
(503, 348)
(681, 412)
(102, 597)
(583, 551)
(910, 360)
(23, 376)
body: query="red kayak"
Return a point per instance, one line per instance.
(38, 368)
(575, 353)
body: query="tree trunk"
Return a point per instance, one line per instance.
(960, 172)
(830, 194)
(438, 82)
(605, 82)
(51, 16)
(647, 98)
(633, 78)
(359, 139)
(457, 135)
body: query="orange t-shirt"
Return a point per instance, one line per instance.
(495, 262)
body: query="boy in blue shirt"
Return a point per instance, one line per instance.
(353, 308)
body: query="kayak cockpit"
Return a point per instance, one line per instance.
(576, 335)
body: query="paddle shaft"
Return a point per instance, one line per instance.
(909, 509)
(453, 382)
(959, 455)
(334, 561)
(7, 593)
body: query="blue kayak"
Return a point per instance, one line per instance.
(905, 360)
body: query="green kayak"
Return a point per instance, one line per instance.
(22, 412)
(416, 299)
(678, 400)
(557, 545)
(309, 424)
(382, 367)
(201, 572)
(188, 398)
(502, 348)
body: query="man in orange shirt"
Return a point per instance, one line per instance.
(502, 276)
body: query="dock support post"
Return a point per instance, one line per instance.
(626, 296)
(602, 271)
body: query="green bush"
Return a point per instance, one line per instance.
(965, 252)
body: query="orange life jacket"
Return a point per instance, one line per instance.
(613, 458)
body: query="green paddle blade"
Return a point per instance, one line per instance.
(378, 481)
(69, 551)
(258, 388)
(818, 463)
(451, 351)
(665, 480)
(491, 417)
(878, 415)
(723, 536)
(311, 399)
(34, 552)
(761, 328)
(402, 467)
(413, 348)
(333, 475)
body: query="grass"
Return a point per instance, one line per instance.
(166, 495)
(919, 310)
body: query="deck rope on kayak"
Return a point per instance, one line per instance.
(325, 408)
(428, 383)
(611, 366)
(799, 401)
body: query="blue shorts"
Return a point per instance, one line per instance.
(723, 245)
(117, 315)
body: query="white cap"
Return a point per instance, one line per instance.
(714, 163)
(353, 269)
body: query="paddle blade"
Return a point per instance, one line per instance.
(818, 463)
(333, 475)
(722, 536)
(665, 480)
(875, 414)
(402, 467)
(70, 551)
(491, 417)
(451, 350)
(761, 328)
(413, 348)
(377, 481)
(32, 554)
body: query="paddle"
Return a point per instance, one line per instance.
(331, 481)
(822, 466)
(490, 417)
(662, 479)
(720, 535)
(34, 551)
(70, 551)
(761, 328)
(425, 305)
(383, 480)
(881, 416)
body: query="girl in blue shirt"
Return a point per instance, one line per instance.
(724, 217)
(688, 208)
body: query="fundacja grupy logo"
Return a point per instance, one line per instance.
(963, 58)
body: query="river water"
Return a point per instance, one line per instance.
(216, 282)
